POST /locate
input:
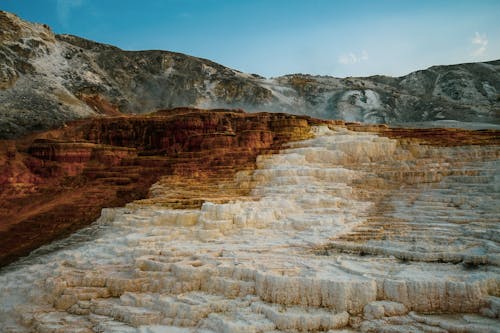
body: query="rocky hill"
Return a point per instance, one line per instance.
(48, 79)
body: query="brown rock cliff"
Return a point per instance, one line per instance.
(56, 182)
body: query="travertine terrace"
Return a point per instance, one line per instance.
(55, 182)
(353, 229)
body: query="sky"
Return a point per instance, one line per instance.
(276, 37)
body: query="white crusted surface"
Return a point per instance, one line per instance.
(289, 261)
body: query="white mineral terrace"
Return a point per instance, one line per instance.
(345, 232)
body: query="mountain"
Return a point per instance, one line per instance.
(48, 79)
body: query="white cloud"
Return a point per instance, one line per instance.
(64, 8)
(482, 42)
(352, 58)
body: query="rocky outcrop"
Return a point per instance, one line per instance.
(47, 79)
(347, 229)
(54, 183)
(452, 96)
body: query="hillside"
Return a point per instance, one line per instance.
(48, 79)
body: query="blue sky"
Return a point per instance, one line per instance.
(276, 37)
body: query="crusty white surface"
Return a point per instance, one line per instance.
(303, 257)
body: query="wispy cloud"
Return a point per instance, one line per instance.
(64, 9)
(481, 42)
(352, 58)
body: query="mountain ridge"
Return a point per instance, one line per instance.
(47, 79)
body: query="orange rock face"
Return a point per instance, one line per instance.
(56, 182)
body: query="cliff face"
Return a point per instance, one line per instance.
(47, 79)
(56, 182)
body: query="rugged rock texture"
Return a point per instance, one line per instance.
(438, 96)
(47, 79)
(361, 231)
(354, 227)
(54, 183)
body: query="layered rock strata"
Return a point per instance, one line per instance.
(57, 182)
(347, 231)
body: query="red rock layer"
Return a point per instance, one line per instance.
(56, 182)
(433, 136)
(100, 105)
